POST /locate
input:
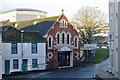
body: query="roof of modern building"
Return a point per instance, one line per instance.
(24, 9)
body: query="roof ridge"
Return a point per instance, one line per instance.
(45, 18)
(23, 9)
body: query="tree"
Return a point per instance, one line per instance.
(89, 21)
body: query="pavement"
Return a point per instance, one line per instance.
(103, 70)
(84, 71)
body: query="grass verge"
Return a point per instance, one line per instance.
(101, 55)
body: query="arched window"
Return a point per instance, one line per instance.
(63, 38)
(68, 38)
(63, 23)
(58, 37)
(50, 42)
(75, 42)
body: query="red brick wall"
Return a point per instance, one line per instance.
(53, 63)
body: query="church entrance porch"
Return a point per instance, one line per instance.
(64, 55)
(63, 58)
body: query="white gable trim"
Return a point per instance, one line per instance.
(65, 48)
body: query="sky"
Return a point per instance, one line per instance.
(54, 7)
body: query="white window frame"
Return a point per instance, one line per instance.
(69, 37)
(14, 48)
(63, 32)
(63, 23)
(59, 38)
(16, 64)
(51, 41)
(34, 48)
(77, 42)
(34, 63)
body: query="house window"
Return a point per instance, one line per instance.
(63, 38)
(15, 64)
(34, 47)
(13, 48)
(58, 37)
(75, 42)
(63, 24)
(50, 42)
(34, 63)
(68, 38)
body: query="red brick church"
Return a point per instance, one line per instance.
(62, 41)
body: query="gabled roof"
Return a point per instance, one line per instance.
(11, 34)
(5, 28)
(41, 27)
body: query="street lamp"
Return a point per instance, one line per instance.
(22, 42)
(22, 49)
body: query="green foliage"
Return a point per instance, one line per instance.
(101, 55)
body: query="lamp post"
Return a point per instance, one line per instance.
(22, 48)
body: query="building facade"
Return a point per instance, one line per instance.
(63, 46)
(62, 42)
(114, 37)
(47, 43)
(21, 14)
(113, 68)
(22, 51)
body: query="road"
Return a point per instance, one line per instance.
(86, 71)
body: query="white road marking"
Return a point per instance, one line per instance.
(35, 76)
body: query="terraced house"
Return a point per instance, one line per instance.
(42, 43)
(25, 54)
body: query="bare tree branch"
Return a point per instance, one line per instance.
(89, 21)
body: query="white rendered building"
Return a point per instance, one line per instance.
(22, 14)
(22, 51)
(113, 68)
(13, 62)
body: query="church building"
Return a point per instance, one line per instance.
(62, 41)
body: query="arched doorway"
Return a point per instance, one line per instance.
(64, 57)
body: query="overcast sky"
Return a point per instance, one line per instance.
(54, 7)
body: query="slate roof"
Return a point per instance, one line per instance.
(11, 34)
(25, 23)
(33, 37)
(5, 28)
(41, 27)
